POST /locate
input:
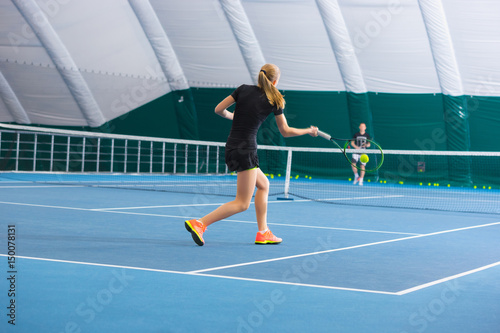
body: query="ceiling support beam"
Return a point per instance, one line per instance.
(63, 61)
(245, 36)
(342, 45)
(160, 43)
(12, 102)
(441, 47)
(340, 41)
(170, 66)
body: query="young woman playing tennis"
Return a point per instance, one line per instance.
(253, 105)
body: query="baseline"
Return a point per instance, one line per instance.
(343, 249)
(205, 275)
(188, 217)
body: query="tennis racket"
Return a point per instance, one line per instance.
(343, 144)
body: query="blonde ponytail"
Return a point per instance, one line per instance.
(267, 75)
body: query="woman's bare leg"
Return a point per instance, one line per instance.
(246, 182)
(261, 197)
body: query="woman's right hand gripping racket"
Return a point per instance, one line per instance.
(343, 144)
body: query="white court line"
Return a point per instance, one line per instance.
(453, 277)
(269, 202)
(188, 217)
(43, 206)
(342, 249)
(450, 198)
(206, 275)
(160, 206)
(41, 186)
(200, 272)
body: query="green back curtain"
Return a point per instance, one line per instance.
(396, 121)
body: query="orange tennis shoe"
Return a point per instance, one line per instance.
(267, 238)
(196, 228)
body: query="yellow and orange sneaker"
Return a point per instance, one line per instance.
(196, 228)
(267, 238)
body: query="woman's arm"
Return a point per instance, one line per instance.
(220, 109)
(288, 131)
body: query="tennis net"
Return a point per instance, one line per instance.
(437, 180)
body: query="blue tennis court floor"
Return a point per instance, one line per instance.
(113, 260)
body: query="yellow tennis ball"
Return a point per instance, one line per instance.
(364, 158)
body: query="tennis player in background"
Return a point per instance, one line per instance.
(359, 142)
(253, 105)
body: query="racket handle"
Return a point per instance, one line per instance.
(324, 135)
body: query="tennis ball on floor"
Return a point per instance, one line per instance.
(364, 158)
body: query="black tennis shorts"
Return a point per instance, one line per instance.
(239, 159)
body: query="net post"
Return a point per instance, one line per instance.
(287, 177)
